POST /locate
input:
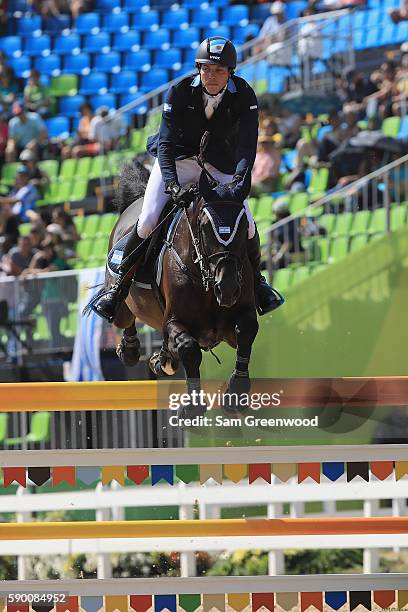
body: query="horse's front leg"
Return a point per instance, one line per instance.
(184, 347)
(128, 349)
(246, 329)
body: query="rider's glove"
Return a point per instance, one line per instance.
(180, 195)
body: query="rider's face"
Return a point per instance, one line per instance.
(213, 77)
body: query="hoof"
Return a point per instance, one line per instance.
(191, 411)
(160, 367)
(128, 352)
(238, 389)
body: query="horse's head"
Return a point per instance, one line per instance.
(222, 229)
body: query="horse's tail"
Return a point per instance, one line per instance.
(89, 306)
(132, 184)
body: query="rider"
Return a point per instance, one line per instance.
(217, 101)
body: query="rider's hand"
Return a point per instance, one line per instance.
(182, 196)
(173, 189)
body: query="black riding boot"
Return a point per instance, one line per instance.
(109, 303)
(267, 298)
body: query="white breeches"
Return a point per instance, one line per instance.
(188, 171)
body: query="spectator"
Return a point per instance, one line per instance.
(9, 223)
(3, 59)
(23, 196)
(26, 130)
(82, 145)
(39, 178)
(354, 89)
(36, 237)
(289, 126)
(3, 17)
(310, 43)
(3, 136)
(9, 88)
(266, 167)
(64, 229)
(349, 126)
(380, 102)
(105, 129)
(400, 14)
(286, 243)
(20, 256)
(35, 95)
(66, 7)
(332, 139)
(272, 26)
(46, 259)
(268, 127)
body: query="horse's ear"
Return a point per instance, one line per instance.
(243, 187)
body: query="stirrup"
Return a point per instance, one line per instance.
(279, 301)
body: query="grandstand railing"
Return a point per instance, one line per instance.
(384, 189)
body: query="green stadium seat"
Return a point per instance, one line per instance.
(328, 221)
(264, 208)
(318, 182)
(338, 249)
(84, 248)
(64, 191)
(39, 430)
(64, 85)
(83, 167)
(79, 221)
(300, 274)
(323, 250)
(358, 242)
(398, 217)
(41, 332)
(91, 226)
(253, 205)
(99, 250)
(107, 223)
(282, 279)
(99, 167)
(390, 126)
(137, 141)
(68, 169)
(360, 222)
(298, 202)
(9, 172)
(114, 163)
(343, 224)
(50, 194)
(79, 190)
(50, 166)
(378, 221)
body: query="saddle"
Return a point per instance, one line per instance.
(148, 275)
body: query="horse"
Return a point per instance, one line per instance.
(206, 292)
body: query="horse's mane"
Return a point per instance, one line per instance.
(132, 184)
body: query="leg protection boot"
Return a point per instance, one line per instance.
(267, 298)
(109, 303)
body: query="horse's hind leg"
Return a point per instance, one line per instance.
(186, 348)
(163, 363)
(246, 329)
(128, 349)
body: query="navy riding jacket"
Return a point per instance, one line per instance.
(233, 126)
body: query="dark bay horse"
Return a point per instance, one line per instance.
(207, 286)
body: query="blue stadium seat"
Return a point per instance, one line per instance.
(126, 41)
(108, 62)
(388, 33)
(260, 12)
(57, 25)
(124, 82)
(175, 18)
(402, 32)
(189, 56)
(237, 14)
(373, 38)
(96, 43)
(170, 59)
(50, 64)
(115, 22)
(29, 25)
(18, 6)
(58, 127)
(107, 99)
(220, 3)
(359, 38)
(20, 65)
(182, 71)
(94, 83)
(358, 19)
(11, 45)
(140, 109)
(77, 64)
(156, 77)
(107, 5)
(138, 60)
(190, 37)
(144, 20)
(192, 4)
(157, 39)
(244, 33)
(37, 45)
(403, 130)
(221, 30)
(134, 6)
(293, 9)
(70, 43)
(69, 105)
(205, 17)
(87, 23)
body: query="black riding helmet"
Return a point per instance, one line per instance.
(217, 50)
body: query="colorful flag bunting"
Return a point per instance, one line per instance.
(138, 473)
(113, 472)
